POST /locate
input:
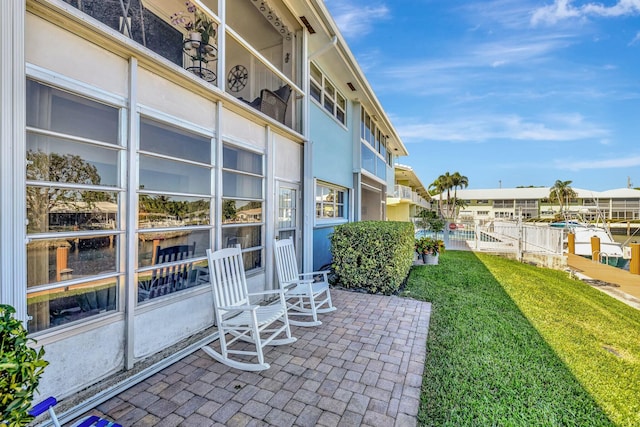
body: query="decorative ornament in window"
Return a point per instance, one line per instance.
(237, 78)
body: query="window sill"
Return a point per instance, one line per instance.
(319, 223)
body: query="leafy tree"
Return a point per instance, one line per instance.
(562, 192)
(430, 220)
(57, 168)
(229, 210)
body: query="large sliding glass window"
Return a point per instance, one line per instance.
(73, 199)
(243, 203)
(174, 209)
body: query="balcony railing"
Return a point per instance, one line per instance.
(257, 64)
(406, 193)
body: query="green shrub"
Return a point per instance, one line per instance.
(20, 369)
(375, 256)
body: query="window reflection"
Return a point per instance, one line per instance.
(169, 175)
(152, 242)
(84, 151)
(241, 211)
(234, 184)
(63, 210)
(170, 141)
(55, 260)
(172, 256)
(55, 110)
(246, 237)
(59, 160)
(65, 305)
(242, 160)
(161, 211)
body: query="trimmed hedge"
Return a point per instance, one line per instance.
(375, 256)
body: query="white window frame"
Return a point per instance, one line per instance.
(161, 118)
(85, 91)
(345, 205)
(262, 224)
(335, 99)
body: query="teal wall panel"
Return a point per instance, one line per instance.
(332, 148)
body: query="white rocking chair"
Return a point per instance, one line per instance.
(305, 296)
(237, 317)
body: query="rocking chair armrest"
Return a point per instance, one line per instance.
(324, 274)
(239, 307)
(315, 273)
(268, 292)
(300, 281)
(288, 286)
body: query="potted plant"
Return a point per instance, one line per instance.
(20, 369)
(428, 249)
(206, 27)
(200, 27)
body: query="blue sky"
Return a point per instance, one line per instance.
(506, 92)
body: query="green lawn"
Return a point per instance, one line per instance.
(511, 344)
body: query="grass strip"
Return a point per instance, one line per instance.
(514, 345)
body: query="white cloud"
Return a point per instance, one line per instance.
(570, 127)
(561, 9)
(564, 9)
(623, 162)
(356, 20)
(636, 39)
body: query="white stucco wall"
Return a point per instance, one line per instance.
(161, 94)
(82, 358)
(288, 158)
(235, 128)
(165, 323)
(58, 50)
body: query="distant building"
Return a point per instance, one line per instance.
(527, 203)
(409, 195)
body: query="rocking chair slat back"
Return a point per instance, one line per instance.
(286, 261)
(228, 279)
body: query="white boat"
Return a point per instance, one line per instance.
(611, 252)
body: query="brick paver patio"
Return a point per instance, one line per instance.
(362, 366)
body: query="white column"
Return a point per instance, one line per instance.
(13, 271)
(308, 183)
(133, 143)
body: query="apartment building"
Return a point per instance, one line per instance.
(136, 134)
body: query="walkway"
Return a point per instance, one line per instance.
(626, 286)
(362, 366)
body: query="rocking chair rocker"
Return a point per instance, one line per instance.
(238, 318)
(305, 296)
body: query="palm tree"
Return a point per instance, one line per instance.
(561, 192)
(459, 204)
(439, 186)
(458, 180)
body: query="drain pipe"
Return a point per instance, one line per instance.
(324, 48)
